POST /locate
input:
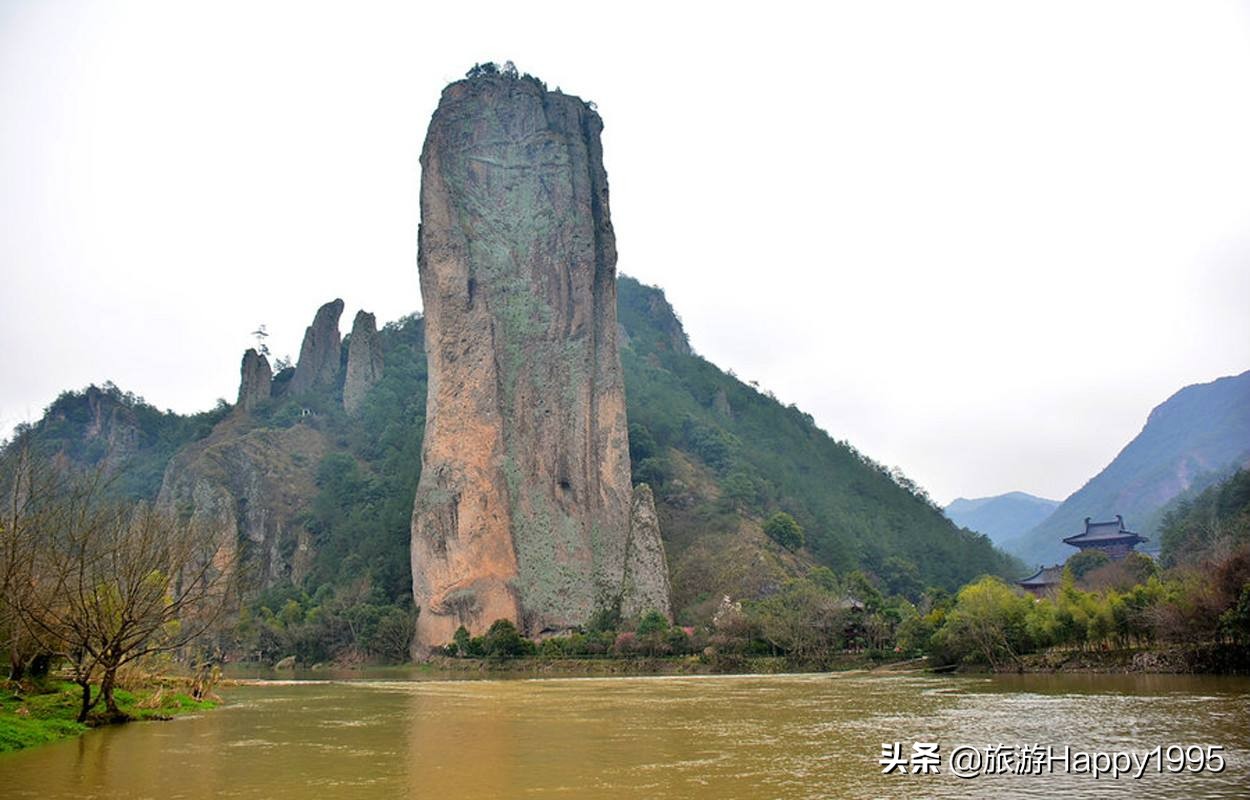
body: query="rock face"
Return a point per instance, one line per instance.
(523, 506)
(251, 487)
(364, 361)
(319, 354)
(256, 380)
(646, 569)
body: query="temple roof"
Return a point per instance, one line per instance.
(1045, 576)
(1104, 533)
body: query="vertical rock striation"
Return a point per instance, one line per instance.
(256, 380)
(523, 507)
(364, 361)
(320, 352)
(646, 568)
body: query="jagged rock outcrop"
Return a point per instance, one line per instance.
(251, 488)
(364, 361)
(256, 380)
(646, 569)
(523, 506)
(320, 353)
(110, 421)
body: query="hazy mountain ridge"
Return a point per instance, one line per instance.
(1000, 517)
(1194, 439)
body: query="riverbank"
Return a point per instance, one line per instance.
(1198, 660)
(538, 666)
(34, 717)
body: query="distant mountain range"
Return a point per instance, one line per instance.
(1193, 440)
(1001, 517)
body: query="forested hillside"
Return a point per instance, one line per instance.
(723, 457)
(1208, 526)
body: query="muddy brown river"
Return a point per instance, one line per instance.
(792, 736)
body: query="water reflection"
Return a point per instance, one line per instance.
(813, 736)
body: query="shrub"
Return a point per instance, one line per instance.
(652, 622)
(784, 530)
(626, 644)
(503, 640)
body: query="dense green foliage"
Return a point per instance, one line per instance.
(1086, 561)
(1217, 519)
(501, 641)
(783, 530)
(349, 623)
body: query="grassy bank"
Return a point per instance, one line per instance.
(29, 718)
(1206, 659)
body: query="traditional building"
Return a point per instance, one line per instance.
(1111, 538)
(1042, 582)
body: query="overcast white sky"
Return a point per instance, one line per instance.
(978, 240)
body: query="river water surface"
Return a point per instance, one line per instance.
(793, 736)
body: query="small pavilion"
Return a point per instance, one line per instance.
(1042, 582)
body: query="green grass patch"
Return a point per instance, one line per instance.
(32, 718)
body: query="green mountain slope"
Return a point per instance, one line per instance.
(755, 456)
(1197, 437)
(720, 454)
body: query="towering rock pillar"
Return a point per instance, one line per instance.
(364, 361)
(319, 354)
(255, 380)
(523, 507)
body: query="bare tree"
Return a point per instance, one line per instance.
(42, 502)
(107, 583)
(24, 481)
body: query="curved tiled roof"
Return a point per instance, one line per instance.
(1045, 576)
(1105, 532)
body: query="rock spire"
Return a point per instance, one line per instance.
(319, 355)
(256, 380)
(364, 361)
(523, 506)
